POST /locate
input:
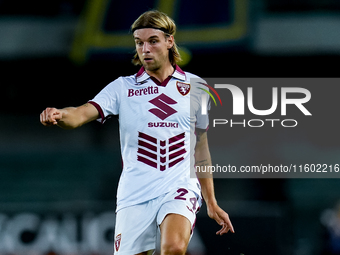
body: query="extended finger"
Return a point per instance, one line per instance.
(220, 231)
(226, 225)
(230, 226)
(225, 229)
(220, 222)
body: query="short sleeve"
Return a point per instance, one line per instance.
(107, 100)
(202, 120)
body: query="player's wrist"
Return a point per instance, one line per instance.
(211, 203)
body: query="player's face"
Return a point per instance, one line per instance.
(152, 47)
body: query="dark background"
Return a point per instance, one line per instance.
(48, 171)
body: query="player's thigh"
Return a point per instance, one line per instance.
(175, 232)
(177, 217)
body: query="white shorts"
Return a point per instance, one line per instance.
(137, 225)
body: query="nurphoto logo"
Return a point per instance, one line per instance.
(280, 98)
(204, 97)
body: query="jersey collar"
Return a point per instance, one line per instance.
(142, 74)
(179, 74)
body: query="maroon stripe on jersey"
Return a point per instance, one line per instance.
(163, 159)
(177, 153)
(193, 225)
(147, 145)
(162, 167)
(201, 129)
(140, 72)
(178, 69)
(99, 109)
(147, 161)
(147, 153)
(171, 164)
(176, 138)
(178, 73)
(162, 151)
(162, 143)
(147, 137)
(176, 146)
(162, 84)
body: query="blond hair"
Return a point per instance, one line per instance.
(157, 20)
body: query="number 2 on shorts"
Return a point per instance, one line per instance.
(182, 192)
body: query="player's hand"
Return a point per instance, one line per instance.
(222, 218)
(50, 117)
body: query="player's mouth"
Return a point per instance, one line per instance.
(147, 60)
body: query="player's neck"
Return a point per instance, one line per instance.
(162, 73)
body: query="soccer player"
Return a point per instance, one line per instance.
(157, 127)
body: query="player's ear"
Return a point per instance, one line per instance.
(170, 41)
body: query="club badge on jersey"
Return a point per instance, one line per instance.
(117, 241)
(183, 88)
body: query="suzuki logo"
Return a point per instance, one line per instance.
(164, 110)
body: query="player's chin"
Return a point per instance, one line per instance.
(150, 65)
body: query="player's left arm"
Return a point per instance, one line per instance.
(203, 159)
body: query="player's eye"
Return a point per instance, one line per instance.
(138, 43)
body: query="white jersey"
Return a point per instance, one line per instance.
(156, 133)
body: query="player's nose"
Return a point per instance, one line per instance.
(146, 48)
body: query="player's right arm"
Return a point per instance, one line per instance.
(70, 117)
